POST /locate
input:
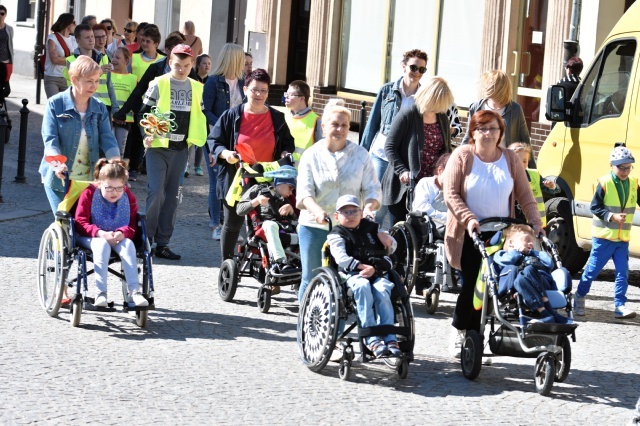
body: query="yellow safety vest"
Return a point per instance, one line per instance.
(478, 291)
(234, 194)
(303, 131)
(197, 134)
(139, 65)
(611, 230)
(103, 92)
(123, 85)
(534, 182)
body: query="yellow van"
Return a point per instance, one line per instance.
(603, 112)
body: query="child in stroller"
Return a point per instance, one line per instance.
(528, 271)
(270, 207)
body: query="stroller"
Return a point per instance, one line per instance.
(548, 343)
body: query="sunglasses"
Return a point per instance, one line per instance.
(415, 68)
(3, 13)
(127, 30)
(109, 27)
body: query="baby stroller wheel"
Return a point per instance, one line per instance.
(76, 312)
(431, 300)
(51, 269)
(471, 356)
(563, 360)
(264, 299)
(228, 280)
(544, 374)
(345, 370)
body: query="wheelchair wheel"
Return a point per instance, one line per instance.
(403, 369)
(318, 320)
(406, 254)
(471, 356)
(545, 372)
(228, 280)
(345, 370)
(76, 312)
(264, 299)
(52, 269)
(563, 360)
(431, 300)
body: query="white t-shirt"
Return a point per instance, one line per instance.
(488, 187)
(56, 70)
(235, 97)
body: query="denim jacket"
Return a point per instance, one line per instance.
(61, 128)
(216, 97)
(384, 109)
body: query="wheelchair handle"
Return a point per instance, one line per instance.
(327, 219)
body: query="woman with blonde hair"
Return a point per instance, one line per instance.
(130, 29)
(189, 31)
(222, 91)
(496, 96)
(418, 137)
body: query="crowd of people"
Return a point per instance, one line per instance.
(122, 98)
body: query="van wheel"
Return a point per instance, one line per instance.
(560, 231)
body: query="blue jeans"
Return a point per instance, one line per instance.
(214, 203)
(373, 303)
(54, 197)
(380, 167)
(311, 241)
(601, 251)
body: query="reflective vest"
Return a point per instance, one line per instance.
(611, 230)
(534, 182)
(197, 134)
(102, 92)
(480, 287)
(303, 131)
(139, 65)
(123, 85)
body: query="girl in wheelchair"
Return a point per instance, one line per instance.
(429, 197)
(528, 271)
(105, 220)
(359, 249)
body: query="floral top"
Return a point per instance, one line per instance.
(81, 169)
(433, 146)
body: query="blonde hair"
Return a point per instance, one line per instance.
(230, 61)
(521, 146)
(84, 66)
(497, 86)
(335, 106)
(189, 28)
(125, 52)
(434, 96)
(517, 228)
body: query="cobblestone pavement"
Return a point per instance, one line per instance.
(203, 361)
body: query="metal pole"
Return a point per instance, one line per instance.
(3, 139)
(571, 46)
(39, 47)
(363, 120)
(22, 143)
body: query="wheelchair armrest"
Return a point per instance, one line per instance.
(63, 215)
(416, 213)
(141, 216)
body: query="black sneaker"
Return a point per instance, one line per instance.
(164, 253)
(133, 175)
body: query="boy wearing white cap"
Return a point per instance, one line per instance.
(613, 206)
(360, 250)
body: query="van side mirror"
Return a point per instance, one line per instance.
(556, 104)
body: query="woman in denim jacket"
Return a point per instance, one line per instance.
(76, 128)
(222, 91)
(390, 100)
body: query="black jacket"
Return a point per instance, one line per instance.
(225, 134)
(403, 148)
(362, 243)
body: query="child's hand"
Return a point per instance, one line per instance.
(286, 210)
(148, 140)
(619, 218)
(118, 236)
(262, 200)
(109, 236)
(549, 184)
(366, 271)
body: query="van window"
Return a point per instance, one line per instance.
(604, 90)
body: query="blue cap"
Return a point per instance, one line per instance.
(287, 175)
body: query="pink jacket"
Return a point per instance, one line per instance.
(455, 176)
(83, 214)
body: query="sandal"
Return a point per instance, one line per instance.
(379, 349)
(393, 347)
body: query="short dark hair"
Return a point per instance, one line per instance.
(248, 54)
(3, 8)
(303, 88)
(200, 58)
(80, 28)
(415, 53)
(153, 33)
(258, 74)
(64, 20)
(88, 18)
(575, 65)
(173, 39)
(141, 26)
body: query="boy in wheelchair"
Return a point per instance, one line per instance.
(273, 217)
(359, 249)
(528, 271)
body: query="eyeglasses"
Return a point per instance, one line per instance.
(127, 30)
(347, 213)
(487, 130)
(624, 168)
(259, 91)
(415, 68)
(114, 188)
(2, 13)
(292, 95)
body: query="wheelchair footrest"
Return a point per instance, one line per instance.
(381, 330)
(541, 327)
(89, 306)
(130, 307)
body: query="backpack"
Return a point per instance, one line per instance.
(64, 46)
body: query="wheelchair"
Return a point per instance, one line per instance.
(58, 285)
(324, 312)
(420, 257)
(252, 259)
(548, 343)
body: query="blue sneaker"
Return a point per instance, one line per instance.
(379, 349)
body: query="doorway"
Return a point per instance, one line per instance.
(298, 40)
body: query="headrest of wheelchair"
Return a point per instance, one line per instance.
(496, 239)
(562, 278)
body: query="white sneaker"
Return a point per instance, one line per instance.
(622, 312)
(457, 339)
(578, 305)
(139, 299)
(487, 360)
(217, 233)
(101, 300)
(179, 196)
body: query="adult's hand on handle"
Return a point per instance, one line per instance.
(473, 226)
(230, 157)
